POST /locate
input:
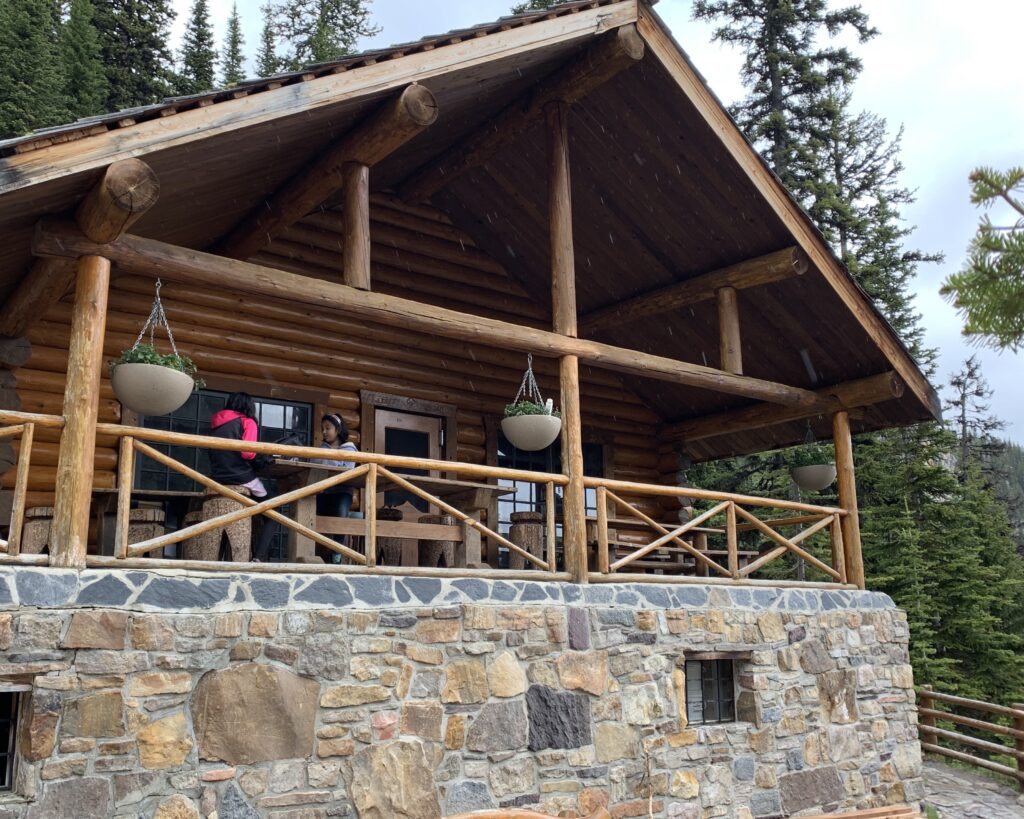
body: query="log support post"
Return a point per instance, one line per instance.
(926, 721)
(848, 498)
(563, 304)
(729, 330)
(356, 225)
(70, 528)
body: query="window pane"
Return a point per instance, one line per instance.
(8, 732)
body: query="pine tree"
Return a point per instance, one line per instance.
(322, 30)
(234, 60)
(786, 72)
(31, 81)
(85, 82)
(198, 55)
(134, 37)
(972, 422)
(989, 291)
(535, 5)
(267, 61)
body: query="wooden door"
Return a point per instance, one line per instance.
(412, 435)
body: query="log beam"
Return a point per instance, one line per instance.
(849, 395)
(151, 257)
(563, 311)
(355, 225)
(70, 528)
(597, 65)
(374, 139)
(847, 484)
(773, 267)
(731, 356)
(125, 192)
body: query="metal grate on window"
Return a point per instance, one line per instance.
(710, 692)
(8, 734)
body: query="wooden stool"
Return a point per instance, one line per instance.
(527, 532)
(389, 549)
(437, 552)
(145, 523)
(188, 547)
(206, 546)
(35, 535)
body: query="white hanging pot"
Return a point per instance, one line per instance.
(813, 477)
(150, 389)
(531, 432)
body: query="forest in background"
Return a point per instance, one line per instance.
(942, 505)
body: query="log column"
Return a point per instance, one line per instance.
(848, 498)
(729, 330)
(563, 304)
(126, 191)
(356, 225)
(70, 528)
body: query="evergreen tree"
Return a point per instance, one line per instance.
(234, 60)
(267, 61)
(134, 37)
(989, 291)
(972, 422)
(31, 82)
(85, 84)
(321, 30)
(786, 72)
(535, 5)
(198, 55)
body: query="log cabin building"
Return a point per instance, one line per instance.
(387, 237)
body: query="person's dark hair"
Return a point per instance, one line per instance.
(242, 402)
(339, 424)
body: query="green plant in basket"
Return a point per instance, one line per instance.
(518, 408)
(810, 455)
(148, 354)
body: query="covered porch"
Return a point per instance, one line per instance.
(395, 237)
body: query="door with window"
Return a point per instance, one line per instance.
(412, 435)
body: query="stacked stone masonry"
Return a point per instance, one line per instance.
(175, 696)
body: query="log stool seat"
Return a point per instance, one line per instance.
(389, 549)
(145, 523)
(527, 532)
(35, 535)
(206, 546)
(437, 552)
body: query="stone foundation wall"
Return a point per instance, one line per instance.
(173, 695)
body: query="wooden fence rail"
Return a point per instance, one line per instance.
(930, 733)
(735, 519)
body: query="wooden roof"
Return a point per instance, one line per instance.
(664, 189)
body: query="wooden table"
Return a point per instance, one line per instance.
(470, 497)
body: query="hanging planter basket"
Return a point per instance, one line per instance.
(147, 382)
(530, 422)
(813, 477)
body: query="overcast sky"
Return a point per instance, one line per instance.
(949, 74)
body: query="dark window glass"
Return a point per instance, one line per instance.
(8, 733)
(529, 497)
(710, 691)
(411, 443)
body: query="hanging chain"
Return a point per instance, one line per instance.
(809, 435)
(157, 317)
(528, 389)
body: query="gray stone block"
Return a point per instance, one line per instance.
(330, 591)
(46, 588)
(467, 796)
(181, 593)
(87, 798)
(233, 805)
(107, 591)
(558, 719)
(578, 622)
(424, 589)
(374, 591)
(270, 594)
(500, 726)
(812, 788)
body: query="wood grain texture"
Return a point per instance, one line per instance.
(847, 484)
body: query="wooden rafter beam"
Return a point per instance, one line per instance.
(773, 267)
(674, 61)
(150, 257)
(125, 192)
(390, 127)
(852, 394)
(599, 63)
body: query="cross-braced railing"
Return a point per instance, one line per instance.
(726, 520)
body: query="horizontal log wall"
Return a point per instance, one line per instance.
(417, 253)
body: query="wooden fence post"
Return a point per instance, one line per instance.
(847, 481)
(1018, 724)
(925, 721)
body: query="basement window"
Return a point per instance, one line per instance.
(710, 690)
(10, 702)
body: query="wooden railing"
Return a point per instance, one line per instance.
(735, 519)
(728, 517)
(1010, 730)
